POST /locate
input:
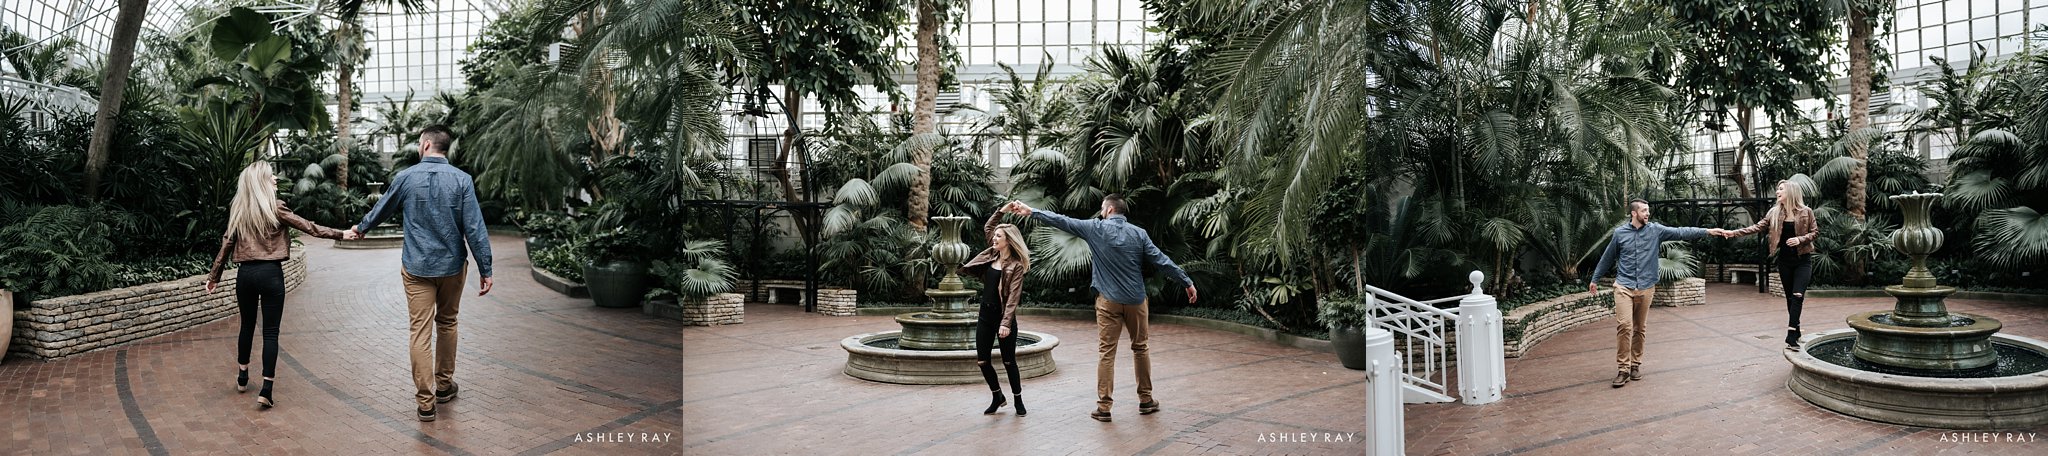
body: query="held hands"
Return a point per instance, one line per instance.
(1017, 207)
(1720, 233)
(351, 235)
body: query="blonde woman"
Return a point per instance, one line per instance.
(1793, 230)
(256, 239)
(1001, 268)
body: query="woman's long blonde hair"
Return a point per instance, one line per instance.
(1019, 252)
(252, 214)
(1790, 196)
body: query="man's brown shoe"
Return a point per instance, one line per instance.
(1635, 373)
(1100, 416)
(1148, 408)
(1620, 379)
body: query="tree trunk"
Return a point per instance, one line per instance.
(127, 24)
(792, 108)
(1859, 109)
(1859, 119)
(1742, 118)
(923, 119)
(345, 110)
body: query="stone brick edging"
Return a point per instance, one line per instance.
(69, 325)
(381, 241)
(1525, 326)
(724, 309)
(1687, 292)
(1269, 335)
(561, 285)
(838, 302)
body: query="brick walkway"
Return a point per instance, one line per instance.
(1714, 384)
(538, 370)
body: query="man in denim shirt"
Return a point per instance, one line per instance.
(1120, 252)
(1633, 257)
(441, 219)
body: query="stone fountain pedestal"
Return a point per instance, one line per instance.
(936, 347)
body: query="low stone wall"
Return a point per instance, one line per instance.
(561, 285)
(1525, 326)
(837, 302)
(724, 309)
(69, 325)
(1688, 292)
(374, 241)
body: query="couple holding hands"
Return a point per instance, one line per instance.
(1632, 256)
(443, 225)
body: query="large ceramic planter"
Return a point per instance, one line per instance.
(1350, 346)
(617, 284)
(6, 322)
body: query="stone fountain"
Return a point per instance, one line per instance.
(1919, 364)
(936, 347)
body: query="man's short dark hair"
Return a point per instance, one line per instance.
(1116, 202)
(1632, 204)
(439, 137)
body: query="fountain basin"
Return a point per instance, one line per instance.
(2019, 400)
(1961, 341)
(876, 357)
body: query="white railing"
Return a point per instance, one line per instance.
(1425, 333)
(45, 100)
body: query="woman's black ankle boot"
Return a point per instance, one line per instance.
(263, 397)
(1020, 404)
(242, 381)
(994, 404)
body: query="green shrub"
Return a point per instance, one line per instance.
(564, 260)
(699, 272)
(59, 251)
(1343, 311)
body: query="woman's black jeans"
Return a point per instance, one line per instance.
(1795, 272)
(260, 283)
(985, 335)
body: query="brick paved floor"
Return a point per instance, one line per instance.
(538, 371)
(1711, 386)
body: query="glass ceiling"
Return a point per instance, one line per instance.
(415, 52)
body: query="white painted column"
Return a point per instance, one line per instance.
(1384, 425)
(1482, 361)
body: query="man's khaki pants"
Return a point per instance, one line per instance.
(432, 302)
(1112, 318)
(1631, 308)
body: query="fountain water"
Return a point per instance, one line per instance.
(1919, 364)
(936, 347)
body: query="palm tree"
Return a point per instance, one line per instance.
(924, 114)
(351, 50)
(1479, 110)
(127, 25)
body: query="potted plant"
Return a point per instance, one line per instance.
(697, 273)
(617, 271)
(1347, 318)
(1678, 282)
